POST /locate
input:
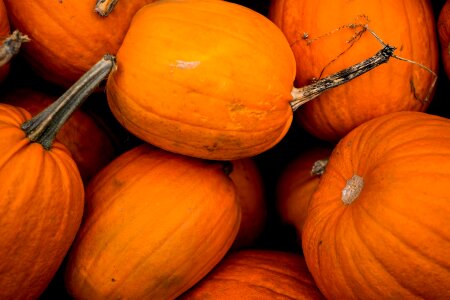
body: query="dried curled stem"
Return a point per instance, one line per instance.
(43, 127)
(11, 46)
(105, 7)
(305, 94)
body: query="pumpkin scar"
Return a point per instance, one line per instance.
(186, 65)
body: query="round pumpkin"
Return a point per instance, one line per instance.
(323, 42)
(297, 184)
(68, 37)
(378, 223)
(444, 36)
(4, 33)
(155, 224)
(90, 145)
(257, 274)
(247, 178)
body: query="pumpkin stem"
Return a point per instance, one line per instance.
(307, 93)
(352, 189)
(319, 167)
(11, 46)
(105, 7)
(44, 126)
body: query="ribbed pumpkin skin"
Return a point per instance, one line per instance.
(155, 224)
(257, 274)
(296, 185)
(4, 32)
(41, 204)
(89, 145)
(204, 78)
(408, 25)
(444, 36)
(393, 240)
(247, 178)
(68, 37)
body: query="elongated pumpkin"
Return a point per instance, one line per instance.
(377, 225)
(257, 274)
(68, 37)
(327, 36)
(41, 195)
(210, 79)
(155, 224)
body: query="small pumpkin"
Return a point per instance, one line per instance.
(247, 178)
(444, 36)
(41, 195)
(155, 224)
(377, 225)
(324, 42)
(296, 185)
(68, 37)
(208, 87)
(89, 144)
(257, 274)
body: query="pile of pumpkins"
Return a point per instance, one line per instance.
(159, 149)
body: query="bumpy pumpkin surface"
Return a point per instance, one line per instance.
(89, 145)
(4, 32)
(68, 37)
(257, 274)
(444, 36)
(155, 224)
(204, 78)
(41, 204)
(377, 226)
(322, 45)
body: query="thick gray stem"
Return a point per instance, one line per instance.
(105, 7)
(43, 127)
(11, 46)
(307, 93)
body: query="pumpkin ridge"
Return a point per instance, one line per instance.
(275, 270)
(401, 240)
(384, 267)
(13, 151)
(67, 29)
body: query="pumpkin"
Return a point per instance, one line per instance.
(41, 195)
(68, 37)
(444, 36)
(296, 185)
(155, 224)
(377, 225)
(324, 41)
(204, 86)
(247, 178)
(257, 274)
(89, 144)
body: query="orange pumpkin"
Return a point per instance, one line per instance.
(247, 178)
(90, 145)
(323, 41)
(155, 224)
(444, 36)
(296, 185)
(378, 223)
(68, 37)
(41, 193)
(257, 274)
